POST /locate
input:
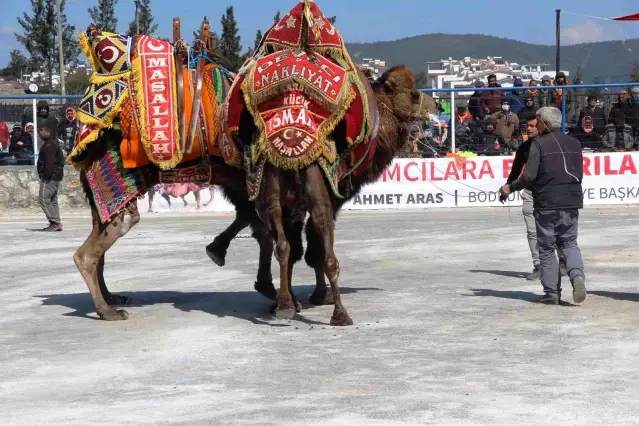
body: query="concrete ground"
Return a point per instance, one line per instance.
(445, 329)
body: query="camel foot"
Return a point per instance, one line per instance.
(321, 299)
(216, 254)
(114, 315)
(266, 289)
(340, 318)
(286, 313)
(118, 300)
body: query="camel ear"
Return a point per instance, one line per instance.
(389, 85)
(416, 95)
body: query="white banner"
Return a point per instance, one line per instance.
(426, 183)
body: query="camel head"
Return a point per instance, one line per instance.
(401, 94)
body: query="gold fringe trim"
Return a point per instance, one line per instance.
(138, 91)
(106, 123)
(320, 149)
(101, 78)
(83, 40)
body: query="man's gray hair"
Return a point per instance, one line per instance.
(550, 116)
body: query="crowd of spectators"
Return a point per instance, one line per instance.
(17, 145)
(493, 122)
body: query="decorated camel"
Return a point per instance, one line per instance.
(150, 116)
(302, 118)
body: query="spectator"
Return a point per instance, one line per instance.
(529, 110)
(591, 124)
(534, 93)
(21, 144)
(4, 136)
(463, 131)
(618, 135)
(490, 139)
(490, 100)
(516, 98)
(50, 171)
(474, 106)
(546, 94)
(559, 93)
(507, 124)
(66, 129)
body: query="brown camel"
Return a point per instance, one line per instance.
(392, 137)
(399, 102)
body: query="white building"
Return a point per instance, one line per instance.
(451, 73)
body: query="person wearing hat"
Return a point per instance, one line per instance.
(67, 128)
(618, 135)
(545, 96)
(490, 139)
(50, 171)
(516, 98)
(591, 124)
(21, 143)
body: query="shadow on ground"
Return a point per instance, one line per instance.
(513, 295)
(629, 297)
(509, 274)
(246, 305)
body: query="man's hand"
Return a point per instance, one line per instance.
(505, 190)
(503, 198)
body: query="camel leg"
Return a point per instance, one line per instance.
(216, 251)
(293, 232)
(151, 193)
(197, 199)
(285, 308)
(314, 258)
(321, 210)
(168, 199)
(264, 284)
(184, 200)
(212, 192)
(110, 298)
(88, 257)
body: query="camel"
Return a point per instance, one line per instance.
(396, 114)
(180, 190)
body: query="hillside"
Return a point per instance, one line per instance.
(608, 60)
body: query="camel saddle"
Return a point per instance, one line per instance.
(308, 99)
(166, 108)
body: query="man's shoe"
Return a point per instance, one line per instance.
(54, 227)
(549, 299)
(534, 275)
(579, 289)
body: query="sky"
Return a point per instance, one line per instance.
(370, 20)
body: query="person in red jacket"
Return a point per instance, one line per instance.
(4, 136)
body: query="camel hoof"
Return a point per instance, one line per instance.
(118, 300)
(321, 300)
(298, 307)
(340, 318)
(285, 314)
(217, 258)
(266, 289)
(114, 315)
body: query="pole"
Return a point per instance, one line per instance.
(558, 31)
(452, 122)
(35, 133)
(137, 18)
(60, 47)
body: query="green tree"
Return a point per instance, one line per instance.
(258, 39)
(103, 15)
(277, 17)
(230, 46)
(147, 25)
(40, 36)
(76, 83)
(332, 20)
(18, 64)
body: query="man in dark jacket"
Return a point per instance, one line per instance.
(591, 124)
(554, 172)
(50, 172)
